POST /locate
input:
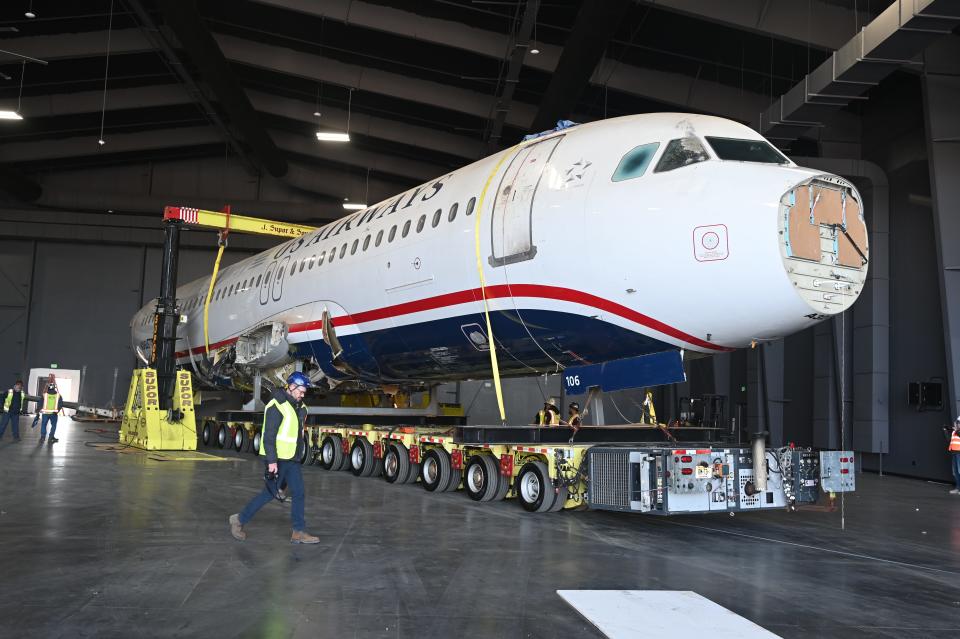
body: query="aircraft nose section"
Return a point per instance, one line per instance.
(823, 243)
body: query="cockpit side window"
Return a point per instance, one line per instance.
(746, 150)
(681, 152)
(635, 162)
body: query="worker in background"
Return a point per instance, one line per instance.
(549, 415)
(281, 446)
(51, 405)
(14, 404)
(954, 448)
(573, 415)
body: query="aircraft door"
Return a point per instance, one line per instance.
(267, 281)
(276, 289)
(511, 226)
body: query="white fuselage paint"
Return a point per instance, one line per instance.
(633, 243)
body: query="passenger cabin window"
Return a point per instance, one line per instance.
(366, 243)
(470, 206)
(406, 228)
(635, 162)
(258, 279)
(746, 150)
(681, 152)
(293, 268)
(343, 250)
(323, 254)
(421, 222)
(379, 238)
(436, 218)
(453, 212)
(393, 233)
(353, 247)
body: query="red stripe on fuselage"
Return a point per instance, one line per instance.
(493, 292)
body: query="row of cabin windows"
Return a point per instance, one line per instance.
(317, 260)
(309, 262)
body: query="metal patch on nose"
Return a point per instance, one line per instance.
(710, 243)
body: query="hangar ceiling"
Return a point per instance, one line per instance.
(224, 92)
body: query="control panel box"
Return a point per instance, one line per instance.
(837, 471)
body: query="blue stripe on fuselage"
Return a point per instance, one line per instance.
(443, 349)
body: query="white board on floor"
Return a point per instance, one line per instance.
(625, 614)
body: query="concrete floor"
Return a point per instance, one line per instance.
(101, 544)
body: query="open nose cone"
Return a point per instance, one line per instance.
(823, 243)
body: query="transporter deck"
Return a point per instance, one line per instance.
(637, 468)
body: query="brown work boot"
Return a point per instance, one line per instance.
(236, 528)
(300, 537)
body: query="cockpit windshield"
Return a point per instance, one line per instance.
(746, 150)
(681, 152)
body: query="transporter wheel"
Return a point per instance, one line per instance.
(396, 464)
(239, 439)
(362, 463)
(331, 453)
(503, 486)
(206, 434)
(413, 474)
(314, 455)
(559, 499)
(534, 488)
(481, 478)
(223, 436)
(305, 449)
(255, 443)
(435, 470)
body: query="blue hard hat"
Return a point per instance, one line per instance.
(299, 379)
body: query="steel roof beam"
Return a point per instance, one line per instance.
(595, 25)
(184, 21)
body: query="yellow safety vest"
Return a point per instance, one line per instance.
(50, 402)
(8, 400)
(289, 432)
(544, 420)
(954, 443)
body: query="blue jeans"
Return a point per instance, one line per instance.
(48, 417)
(955, 465)
(288, 471)
(14, 420)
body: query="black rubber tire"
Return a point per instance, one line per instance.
(435, 470)
(413, 474)
(455, 478)
(206, 434)
(305, 449)
(481, 478)
(534, 488)
(239, 439)
(255, 443)
(362, 463)
(503, 487)
(223, 436)
(559, 499)
(331, 452)
(396, 463)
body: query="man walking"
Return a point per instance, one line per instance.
(281, 444)
(51, 405)
(14, 404)
(954, 449)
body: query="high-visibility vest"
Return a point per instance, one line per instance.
(548, 418)
(8, 400)
(289, 432)
(954, 442)
(575, 420)
(51, 403)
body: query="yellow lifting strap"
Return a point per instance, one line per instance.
(483, 284)
(222, 241)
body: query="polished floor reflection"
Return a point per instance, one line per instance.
(106, 544)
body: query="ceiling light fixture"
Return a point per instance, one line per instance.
(29, 12)
(7, 114)
(353, 206)
(534, 49)
(334, 136)
(106, 74)
(10, 115)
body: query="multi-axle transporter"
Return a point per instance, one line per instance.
(550, 469)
